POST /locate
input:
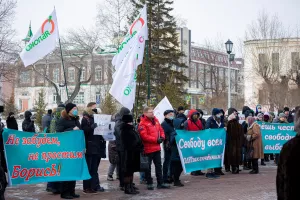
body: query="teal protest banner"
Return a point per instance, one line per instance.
(274, 135)
(201, 150)
(38, 157)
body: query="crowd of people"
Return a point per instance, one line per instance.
(243, 147)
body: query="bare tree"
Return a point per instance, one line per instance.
(112, 19)
(266, 49)
(180, 21)
(78, 47)
(8, 47)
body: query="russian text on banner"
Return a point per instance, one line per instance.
(200, 150)
(274, 136)
(38, 157)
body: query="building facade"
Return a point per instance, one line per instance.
(30, 82)
(269, 68)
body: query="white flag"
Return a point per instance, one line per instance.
(159, 110)
(130, 55)
(43, 41)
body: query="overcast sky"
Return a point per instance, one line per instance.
(206, 18)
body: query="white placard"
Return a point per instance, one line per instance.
(104, 125)
(159, 110)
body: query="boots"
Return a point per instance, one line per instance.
(263, 162)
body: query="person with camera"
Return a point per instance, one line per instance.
(152, 135)
(28, 123)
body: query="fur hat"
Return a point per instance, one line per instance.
(127, 118)
(69, 107)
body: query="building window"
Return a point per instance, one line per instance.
(25, 77)
(56, 75)
(54, 97)
(79, 99)
(82, 76)
(98, 96)
(98, 74)
(40, 75)
(71, 74)
(295, 61)
(262, 61)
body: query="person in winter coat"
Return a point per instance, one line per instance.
(234, 142)
(174, 166)
(203, 121)
(54, 187)
(168, 127)
(247, 163)
(288, 115)
(152, 135)
(133, 146)
(255, 141)
(194, 124)
(46, 121)
(215, 122)
(11, 121)
(113, 160)
(95, 149)
(69, 121)
(288, 176)
(117, 133)
(28, 123)
(260, 117)
(179, 121)
(258, 110)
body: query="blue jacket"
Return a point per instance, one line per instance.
(211, 123)
(179, 121)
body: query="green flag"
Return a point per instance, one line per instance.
(29, 34)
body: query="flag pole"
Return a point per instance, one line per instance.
(63, 65)
(148, 73)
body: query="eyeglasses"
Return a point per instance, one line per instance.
(151, 112)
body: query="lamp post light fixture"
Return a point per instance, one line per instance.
(229, 46)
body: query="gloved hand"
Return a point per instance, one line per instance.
(160, 140)
(94, 126)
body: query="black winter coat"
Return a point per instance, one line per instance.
(211, 123)
(28, 124)
(11, 123)
(169, 130)
(118, 125)
(179, 121)
(67, 123)
(288, 174)
(133, 146)
(95, 144)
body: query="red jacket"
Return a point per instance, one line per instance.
(189, 125)
(150, 131)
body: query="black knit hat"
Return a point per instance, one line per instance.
(127, 118)
(168, 111)
(69, 107)
(231, 110)
(180, 108)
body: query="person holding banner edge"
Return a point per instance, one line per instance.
(194, 124)
(69, 121)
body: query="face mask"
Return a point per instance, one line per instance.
(218, 116)
(259, 110)
(75, 113)
(171, 118)
(94, 110)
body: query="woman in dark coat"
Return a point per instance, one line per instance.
(11, 121)
(288, 174)
(130, 158)
(69, 121)
(234, 143)
(28, 123)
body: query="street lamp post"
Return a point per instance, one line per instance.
(229, 46)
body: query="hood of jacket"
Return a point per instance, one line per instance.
(193, 112)
(89, 112)
(215, 111)
(28, 114)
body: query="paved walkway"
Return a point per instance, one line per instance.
(229, 187)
